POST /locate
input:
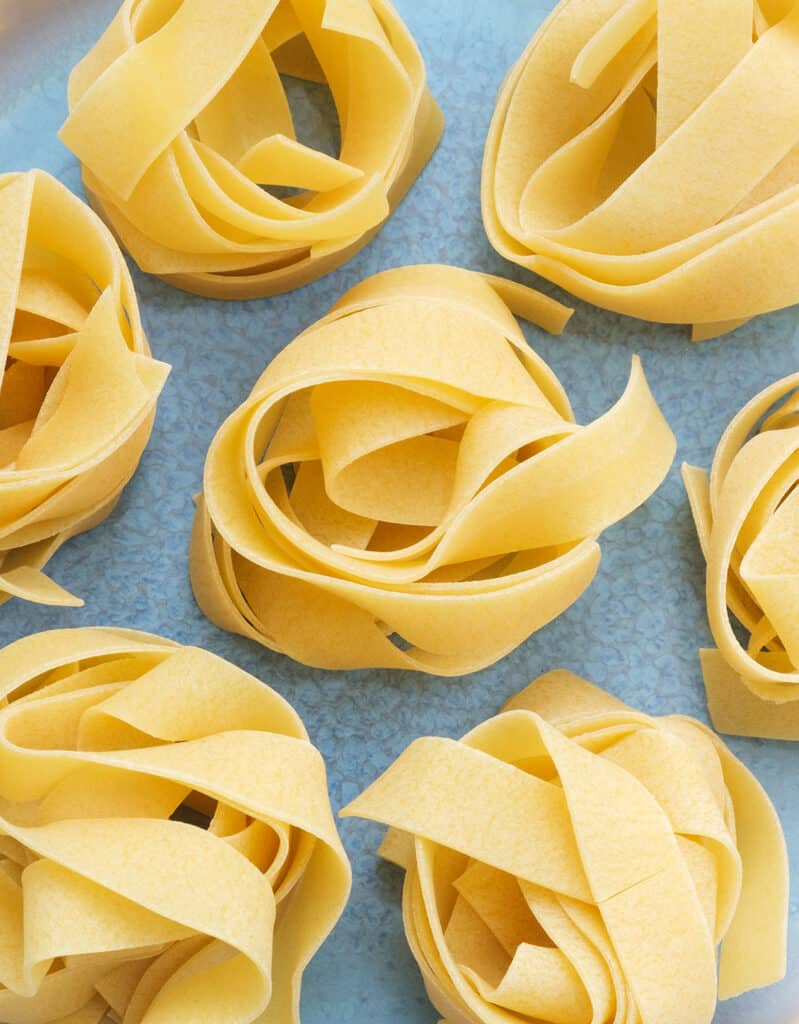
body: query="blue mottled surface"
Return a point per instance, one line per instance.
(636, 631)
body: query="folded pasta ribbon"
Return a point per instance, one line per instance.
(644, 155)
(575, 861)
(406, 486)
(167, 848)
(747, 518)
(181, 122)
(78, 387)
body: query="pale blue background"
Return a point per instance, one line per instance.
(635, 632)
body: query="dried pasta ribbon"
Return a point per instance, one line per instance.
(167, 847)
(644, 155)
(78, 387)
(179, 117)
(406, 486)
(577, 862)
(747, 518)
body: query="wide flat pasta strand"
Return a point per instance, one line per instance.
(167, 847)
(78, 386)
(406, 486)
(577, 862)
(614, 165)
(746, 518)
(207, 138)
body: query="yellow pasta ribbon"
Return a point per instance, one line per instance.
(408, 469)
(577, 862)
(644, 155)
(78, 387)
(179, 117)
(167, 849)
(747, 517)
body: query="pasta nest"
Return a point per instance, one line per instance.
(747, 518)
(167, 848)
(573, 860)
(643, 155)
(78, 387)
(197, 166)
(406, 486)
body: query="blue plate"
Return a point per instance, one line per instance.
(637, 629)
